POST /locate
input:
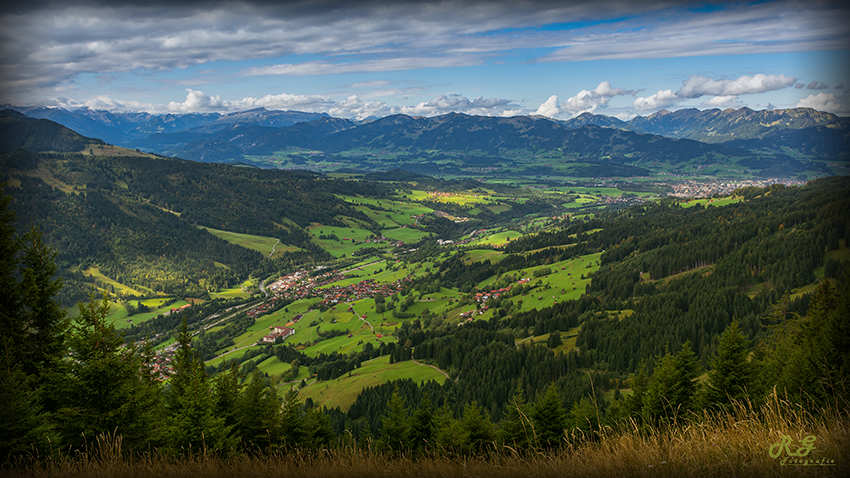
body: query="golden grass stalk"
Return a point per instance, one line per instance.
(730, 442)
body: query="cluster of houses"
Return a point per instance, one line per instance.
(482, 297)
(277, 332)
(364, 289)
(161, 363)
(177, 309)
(692, 189)
(262, 308)
(299, 285)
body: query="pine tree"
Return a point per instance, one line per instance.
(477, 430)
(320, 434)
(517, 429)
(227, 390)
(292, 424)
(394, 425)
(584, 416)
(671, 388)
(258, 413)
(105, 391)
(44, 316)
(422, 425)
(193, 423)
(731, 374)
(549, 418)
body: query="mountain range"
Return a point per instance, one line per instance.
(793, 141)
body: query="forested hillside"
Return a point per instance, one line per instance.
(447, 317)
(136, 218)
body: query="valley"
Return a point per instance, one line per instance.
(340, 291)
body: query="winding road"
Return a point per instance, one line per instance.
(432, 366)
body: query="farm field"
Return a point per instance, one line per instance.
(262, 244)
(712, 201)
(117, 287)
(119, 318)
(341, 392)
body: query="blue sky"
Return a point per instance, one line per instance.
(373, 58)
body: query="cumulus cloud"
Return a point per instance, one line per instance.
(585, 101)
(590, 100)
(660, 100)
(354, 107)
(197, 101)
(825, 102)
(51, 44)
(698, 85)
(549, 108)
(817, 85)
(456, 103)
(724, 92)
(722, 102)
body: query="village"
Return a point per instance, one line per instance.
(691, 188)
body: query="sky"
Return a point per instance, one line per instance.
(364, 59)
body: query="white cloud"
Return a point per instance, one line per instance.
(825, 102)
(724, 92)
(51, 44)
(197, 101)
(590, 100)
(313, 68)
(697, 85)
(736, 29)
(456, 103)
(371, 84)
(722, 102)
(549, 107)
(354, 107)
(351, 107)
(662, 99)
(583, 101)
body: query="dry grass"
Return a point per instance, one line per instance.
(729, 443)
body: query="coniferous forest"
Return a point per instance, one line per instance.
(697, 327)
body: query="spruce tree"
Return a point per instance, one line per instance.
(319, 432)
(422, 425)
(193, 423)
(292, 423)
(584, 416)
(671, 389)
(731, 374)
(105, 391)
(45, 317)
(394, 425)
(517, 429)
(25, 421)
(227, 391)
(550, 419)
(477, 430)
(11, 320)
(258, 413)
(448, 432)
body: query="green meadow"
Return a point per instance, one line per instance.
(341, 392)
(262, 244)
